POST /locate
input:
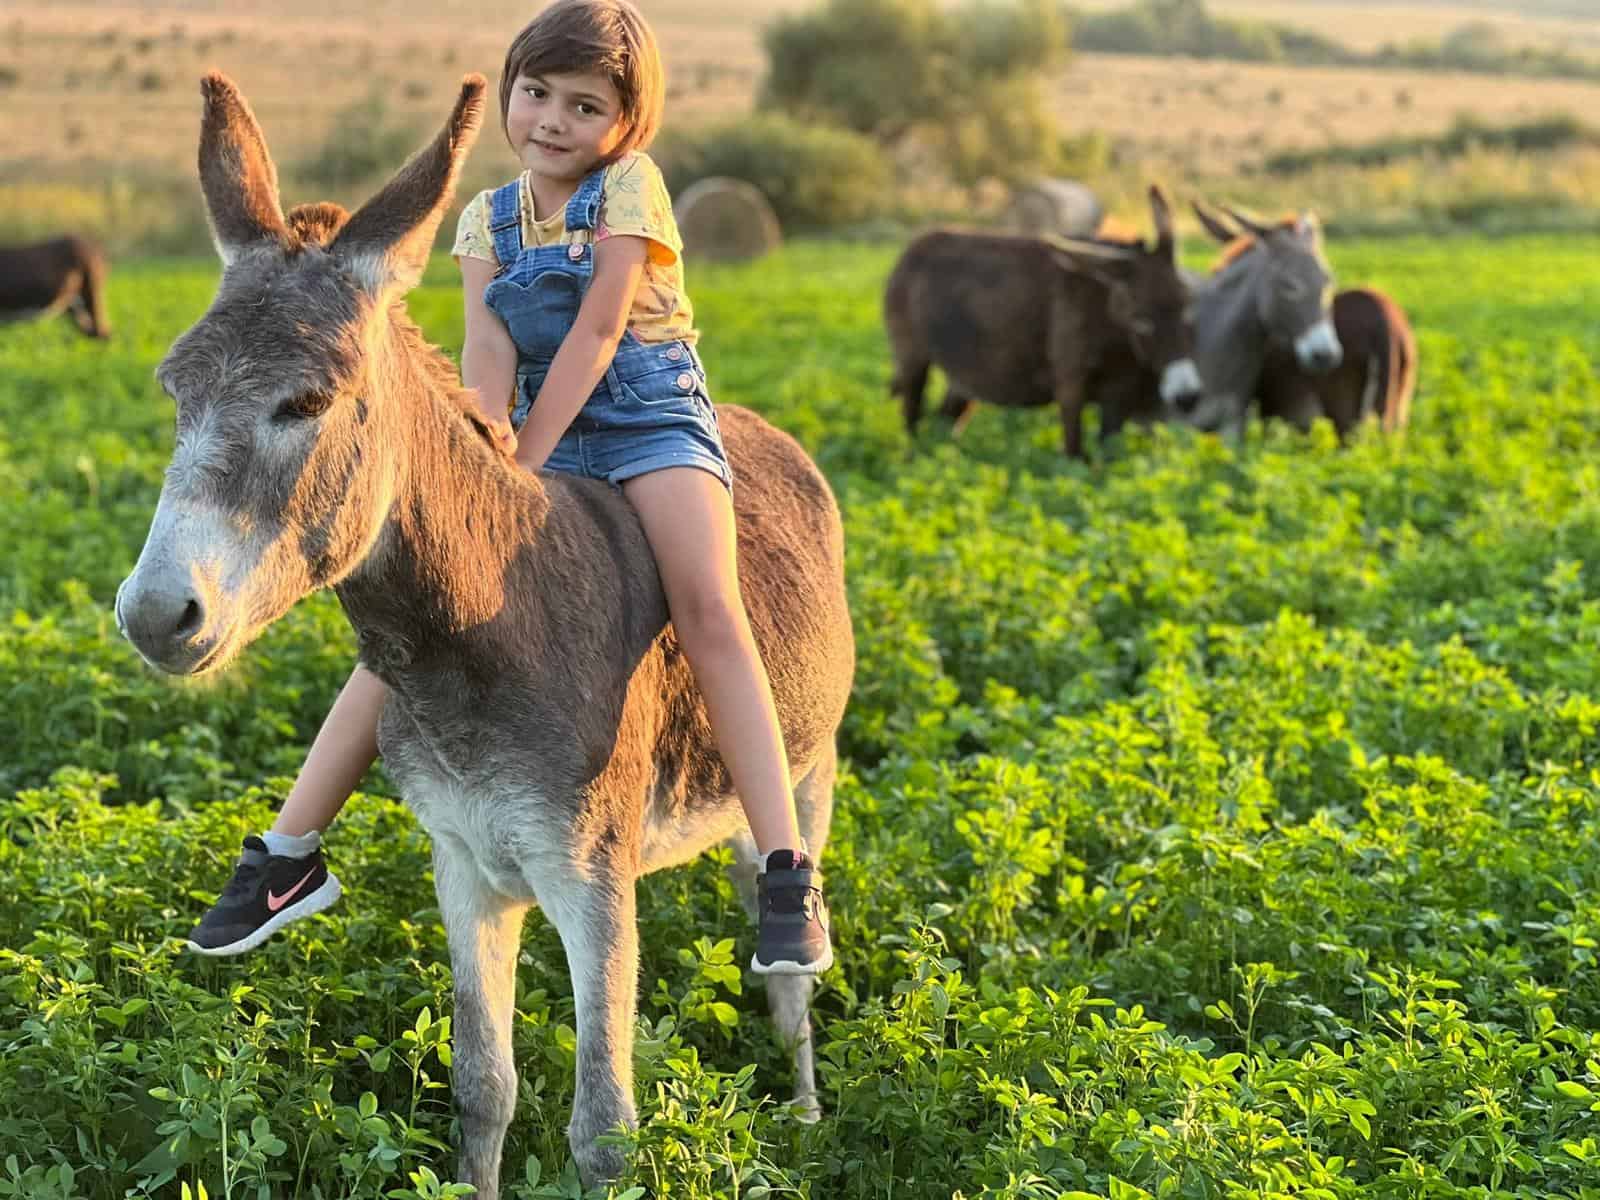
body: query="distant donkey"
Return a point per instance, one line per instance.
(542, 722)
(1376, 378)
(64, 274)
(1027, 321)
(1271, 290)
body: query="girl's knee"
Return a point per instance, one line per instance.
(709, 619)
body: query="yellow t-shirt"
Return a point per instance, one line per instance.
(633, 201)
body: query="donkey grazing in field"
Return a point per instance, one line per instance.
(542, 722)
(1375, 379)
(64, 274)
(1270, 289)
(1025, 321)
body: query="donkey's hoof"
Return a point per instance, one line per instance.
(598, 1165)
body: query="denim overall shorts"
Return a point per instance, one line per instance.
(650, 409)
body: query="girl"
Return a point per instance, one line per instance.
(572, 282)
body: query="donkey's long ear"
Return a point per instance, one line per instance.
(1213, 224)
(236, 172)
(1108, 262)
(386, 243)
(1247, 223)
(1161, 214)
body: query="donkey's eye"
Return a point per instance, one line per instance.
(1143, 326)
(304, 407)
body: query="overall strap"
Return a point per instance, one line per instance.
(505, 223)
(583, 210)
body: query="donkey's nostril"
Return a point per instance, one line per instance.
(189, 622)
(1187, 402)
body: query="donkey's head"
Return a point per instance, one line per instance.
(1291, 284)
(1146, 298)
(288, 447)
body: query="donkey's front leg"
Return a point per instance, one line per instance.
(1069, 394)
(595, 916)
(484, 929)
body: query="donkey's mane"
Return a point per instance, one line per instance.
(314, 224)
(440, 372)
(317, 225)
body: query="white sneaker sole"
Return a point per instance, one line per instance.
(309, 904)
(785, 966)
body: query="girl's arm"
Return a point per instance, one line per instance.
(588, 348)
(488, 355)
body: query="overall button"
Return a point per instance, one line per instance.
(575, 251)
(686, 381)
(674, 353)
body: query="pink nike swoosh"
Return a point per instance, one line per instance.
(274, 903)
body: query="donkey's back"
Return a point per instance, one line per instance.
(1376, 376)
(606, 732)
(49, 277)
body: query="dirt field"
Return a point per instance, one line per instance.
(90, 89)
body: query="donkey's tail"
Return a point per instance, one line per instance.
(1402, 373)
(90, 311)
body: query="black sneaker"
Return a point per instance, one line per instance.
(267, 891)
(793, 937)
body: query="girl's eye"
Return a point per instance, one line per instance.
(588, 110)
(535, 91)
(304, 407)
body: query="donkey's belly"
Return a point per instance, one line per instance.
(515, 850)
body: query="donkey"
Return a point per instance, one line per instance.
(1375, 379)
(542, 722)
(1026, 321)
(1270, 289)
(64, 274)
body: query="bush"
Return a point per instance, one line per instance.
(814, 176)
(894, 69)
(1186, 27)
(1465, 136)
(366, 141)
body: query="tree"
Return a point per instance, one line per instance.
(968, 79)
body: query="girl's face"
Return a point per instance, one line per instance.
(562, 125)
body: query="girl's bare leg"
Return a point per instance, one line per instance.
(346, 745)
(688, 519)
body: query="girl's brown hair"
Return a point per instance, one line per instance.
(606, 36)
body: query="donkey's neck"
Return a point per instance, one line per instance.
(461, 516)
(1230, 339)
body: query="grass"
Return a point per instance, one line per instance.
(1217, 821)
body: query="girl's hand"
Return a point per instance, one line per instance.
(496, 431)
(501, 436)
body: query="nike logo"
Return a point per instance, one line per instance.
(274, 903)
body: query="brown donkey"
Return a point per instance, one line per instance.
(64, 274)
(542, 722)
(1375, 379)
(1026, 321)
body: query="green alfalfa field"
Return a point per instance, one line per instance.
(1218, 821)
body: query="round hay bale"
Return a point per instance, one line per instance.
(1060, 206)
(725, 219)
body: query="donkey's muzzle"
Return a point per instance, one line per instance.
(1181, 386)
(165, 619)
(1322, 360)
(1318, 348)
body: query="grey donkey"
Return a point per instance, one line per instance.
(542, 722)
(1272, 289)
